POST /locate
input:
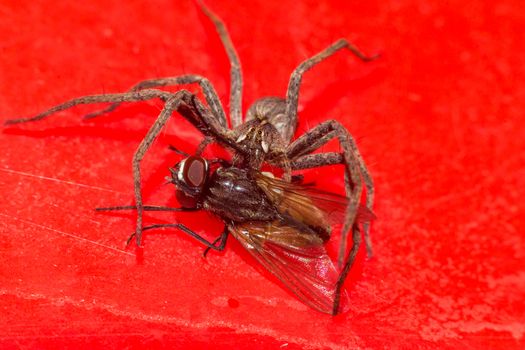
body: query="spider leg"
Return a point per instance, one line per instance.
(192, 110)
(235, 66)
(333, 158)
(207, 88)
(315, 138)
(317, 160)
(182, 101)
(185, 229)
(356, 237)
(292, 94)
(303, 161)
(141, 95)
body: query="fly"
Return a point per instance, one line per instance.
(283, 225)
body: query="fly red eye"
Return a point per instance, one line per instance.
(195, 171)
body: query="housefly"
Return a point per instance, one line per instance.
(283, 225)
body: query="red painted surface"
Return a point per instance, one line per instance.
(439, 120)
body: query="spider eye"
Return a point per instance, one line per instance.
(194, 171)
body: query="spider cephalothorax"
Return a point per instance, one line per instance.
(261, 135)
(265, 137)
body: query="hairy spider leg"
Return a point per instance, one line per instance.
(236, 83)
(182, 101)
(235, 66)
(320, 135)
(141, 95)
(317, 160)
(356, 238)
(292, 94)
(191, 109)
(207, 89)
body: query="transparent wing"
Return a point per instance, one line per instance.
(309, 205)
(297, 258)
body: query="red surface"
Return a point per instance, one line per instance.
(439, 119)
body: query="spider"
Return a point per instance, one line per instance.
(266, 135)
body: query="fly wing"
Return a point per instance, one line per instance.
(297, 258)
(307, 204)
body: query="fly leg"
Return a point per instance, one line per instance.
(185, 229)
(145, 208)
(200, 148)
(222, 239)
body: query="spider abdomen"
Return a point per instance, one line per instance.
(273, 110)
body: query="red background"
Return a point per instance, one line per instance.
(439, 121)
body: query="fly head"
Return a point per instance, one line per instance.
(190, 176)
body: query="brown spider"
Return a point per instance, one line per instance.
(265, 135)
